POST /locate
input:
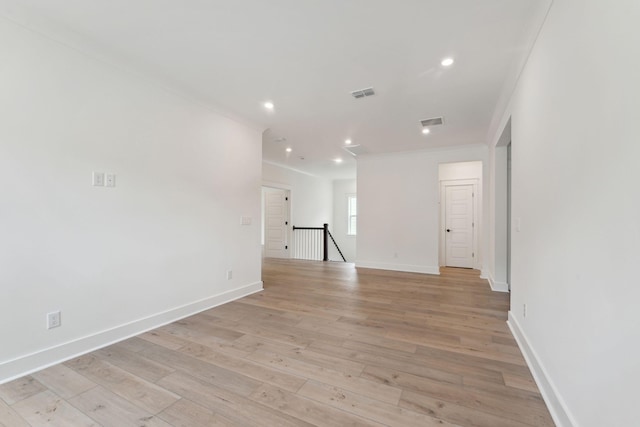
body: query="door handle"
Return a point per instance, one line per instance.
(448, 230)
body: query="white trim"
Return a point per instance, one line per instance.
(272, 163)
(497, 286)
(273, 184)
(427, 150)
(24, 365)
(557, 406)
(424, 269)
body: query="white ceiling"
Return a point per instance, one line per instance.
(307, 56)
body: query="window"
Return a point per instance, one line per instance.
(352, 214)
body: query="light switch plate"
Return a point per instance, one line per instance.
(245, 220)
(53, 319)
(98, 179)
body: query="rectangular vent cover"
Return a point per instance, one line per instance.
(363, 92)
(432, 122)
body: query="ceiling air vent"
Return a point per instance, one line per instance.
(363, 92)
(435, 121)
(355, 150)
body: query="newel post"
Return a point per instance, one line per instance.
(326, 242)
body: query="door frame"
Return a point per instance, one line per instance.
(286, 188)
(501, 204)
(509, 218)
(477, 262)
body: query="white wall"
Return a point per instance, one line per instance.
(342, 188)
(120, 260)
(398, 208)
(575, 152)
(311, 196)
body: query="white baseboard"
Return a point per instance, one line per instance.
(498, 286)
(425, 269)
(41, 359)
(557, 407)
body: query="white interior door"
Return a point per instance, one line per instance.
(459, 226)
(276, 224)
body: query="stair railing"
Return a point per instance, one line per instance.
(311, 241)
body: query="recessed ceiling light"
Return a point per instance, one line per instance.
(289, 149)
(426, 131)
(269, 105)
(338, 160)
(347, 141)
(447, 62)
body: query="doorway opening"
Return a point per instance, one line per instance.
(460, 214)
(276, 217)
(501, 275)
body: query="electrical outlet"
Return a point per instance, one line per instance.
(54, 319)
(229, 274)
(524, 310)
(110, 180)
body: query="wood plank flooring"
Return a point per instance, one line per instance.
(324, 344)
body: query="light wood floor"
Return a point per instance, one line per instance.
(324, 344)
